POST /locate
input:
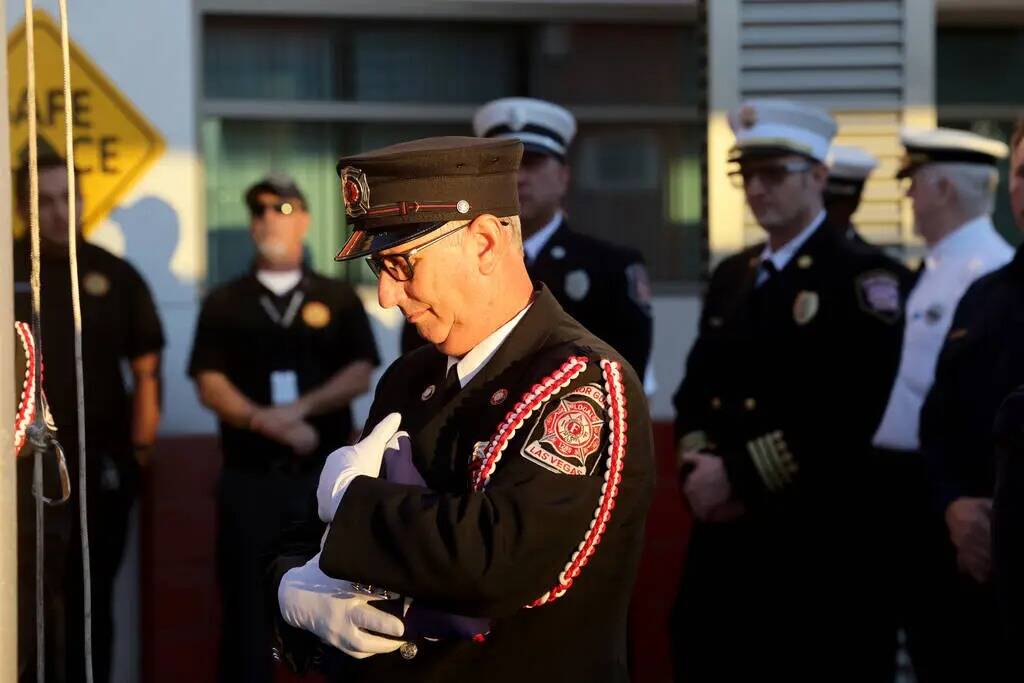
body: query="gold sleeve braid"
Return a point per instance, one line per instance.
(773, 460)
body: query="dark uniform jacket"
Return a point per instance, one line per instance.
(1008, 527)
(119, 322)
(519, 539)
(980, 364)
(326, 330)
(603, 286)
(786, 383)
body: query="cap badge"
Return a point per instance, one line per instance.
(355, 192)
(748, 116)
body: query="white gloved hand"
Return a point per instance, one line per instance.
(348, 462)
(340, 616)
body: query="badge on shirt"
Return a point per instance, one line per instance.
(566, 436)
(878, 293)
(96, 284)
(316, 314)
(284, 387)
(805, 307)
(577, 284)
(933, 314)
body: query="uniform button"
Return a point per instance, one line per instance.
(716, 403)
(750, 404)
(408, 650)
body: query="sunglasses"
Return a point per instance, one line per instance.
(770, 175)
(283, 208)
(399, 266)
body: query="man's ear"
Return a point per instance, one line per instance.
(484, 238)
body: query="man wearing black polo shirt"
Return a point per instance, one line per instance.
(279, 355)
(120, 329)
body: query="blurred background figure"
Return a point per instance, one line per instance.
(603, 286)
(1008, 505)
(979, 364)
(120, 327)
(279, 355)
(799, 338)
(952, 179)
(848, 171)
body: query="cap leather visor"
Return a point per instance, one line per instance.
(365, 242)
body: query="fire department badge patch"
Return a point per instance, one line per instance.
(569, 433)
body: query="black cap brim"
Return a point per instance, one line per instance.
(365, 242)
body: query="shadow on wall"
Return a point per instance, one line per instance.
(151, 233)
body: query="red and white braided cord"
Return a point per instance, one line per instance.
(538, 395)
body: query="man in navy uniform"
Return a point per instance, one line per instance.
(1008, 504)
(603, 286)
(279, 355)
(508, 518)
(952, 184)
(798, 342)
(848, 171)
(979, 365)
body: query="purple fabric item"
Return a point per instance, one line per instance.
(420, 621)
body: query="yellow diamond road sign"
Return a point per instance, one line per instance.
(114, 144)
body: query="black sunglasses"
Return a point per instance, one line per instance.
(285, 208)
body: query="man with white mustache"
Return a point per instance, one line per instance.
(279, 355)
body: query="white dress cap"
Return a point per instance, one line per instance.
(541, 126)
(768, 125)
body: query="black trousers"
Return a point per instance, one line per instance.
(254, 507)
(949, 619)
(777, 598)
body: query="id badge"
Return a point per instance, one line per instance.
(284, 387)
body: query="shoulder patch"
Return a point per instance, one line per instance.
(565, 436)
(878, 293)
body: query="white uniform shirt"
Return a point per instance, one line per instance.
(951, 266)
(477, 357)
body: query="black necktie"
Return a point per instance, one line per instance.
(768, 268)
(451, 385)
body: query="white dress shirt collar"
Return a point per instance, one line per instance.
(535, 242)
(477, 357)
(783, 256)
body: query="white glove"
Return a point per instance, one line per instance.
(348, 462)
(331, 610)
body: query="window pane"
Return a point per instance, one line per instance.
(238, 153)
(435, 63)
(255, 58)
(639, 186)
(960, 51)
(612, 64)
